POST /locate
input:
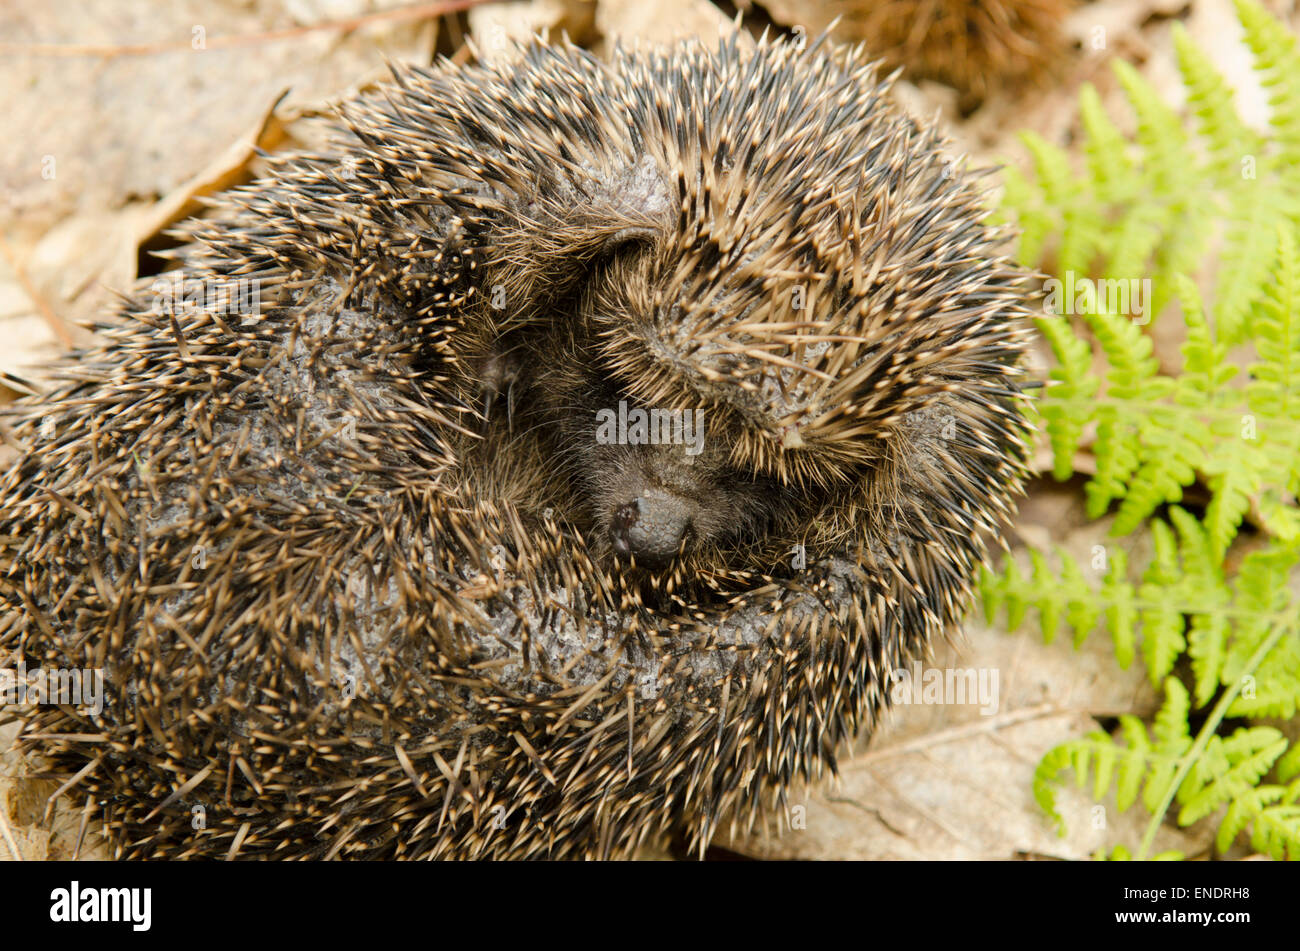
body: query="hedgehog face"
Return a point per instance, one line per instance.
(654, 437)
(650, 482)
(654, 502)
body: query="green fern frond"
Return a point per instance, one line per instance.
(1242, 635)
(1229, 768)
(1277, 59)
(1276, 831)
(1288, 767)
(1163, 619)
(1122, 223)
(1120, 854)
(1145, 206)
(1210, 99)
(1242, 811)
(1207, 646)
(1120, 609)
(1073, 384)
(1225, 775)
(1275, 387)
(1113, 171)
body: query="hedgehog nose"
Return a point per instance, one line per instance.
(650, 527)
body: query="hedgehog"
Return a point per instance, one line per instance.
(556, 460)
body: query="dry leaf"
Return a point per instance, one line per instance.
(634, 20)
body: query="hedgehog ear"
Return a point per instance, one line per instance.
(626, 240)
(622, 209)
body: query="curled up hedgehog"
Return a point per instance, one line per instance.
(560, 460)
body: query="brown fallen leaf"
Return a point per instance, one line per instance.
(636, 21)
(230, 168)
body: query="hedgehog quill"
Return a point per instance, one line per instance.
(362, 579)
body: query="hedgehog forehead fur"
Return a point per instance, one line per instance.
(363, 580)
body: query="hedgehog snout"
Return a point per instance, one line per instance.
(651, 526)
